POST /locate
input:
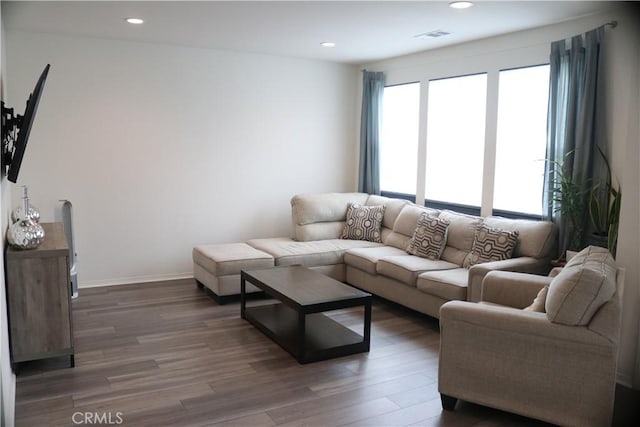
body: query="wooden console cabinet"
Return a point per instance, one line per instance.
(39, 299)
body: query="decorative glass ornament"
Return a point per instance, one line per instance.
(17, 213)
(25, 233)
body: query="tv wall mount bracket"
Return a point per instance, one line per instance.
(10, 127)
(16, 129)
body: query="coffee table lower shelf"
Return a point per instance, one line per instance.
(323, 338)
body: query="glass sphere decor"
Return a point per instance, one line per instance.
(25, 232)
(17, 213)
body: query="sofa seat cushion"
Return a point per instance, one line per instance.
(447, 284)
(366, 259)
(586, 283)
(406, 268)
(310, 254)
(230, 258)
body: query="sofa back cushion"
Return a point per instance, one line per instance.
(321, 216)
(537, 239)
(460, 235)
(585, 284)
(606, 321)
(405, 225)
(392, 208)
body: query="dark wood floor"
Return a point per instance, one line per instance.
(165, 354)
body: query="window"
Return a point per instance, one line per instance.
(455, 139)
(455, 123)
(399, 138)
(521, 139)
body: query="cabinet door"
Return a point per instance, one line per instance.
(39, 306)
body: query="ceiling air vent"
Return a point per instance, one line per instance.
(432, 34)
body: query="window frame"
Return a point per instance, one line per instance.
(505, 212)
(456, 207)
(405, 195)
(429, 68)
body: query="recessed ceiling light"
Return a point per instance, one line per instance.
(328, 44)
(134, 20)
(460, 4)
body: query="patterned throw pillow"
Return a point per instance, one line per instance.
(429, 238)
(491, 244)
(363, 223)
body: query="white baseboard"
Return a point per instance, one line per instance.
(135, 279)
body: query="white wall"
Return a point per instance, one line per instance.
(623, 113)
(530, 48)
(162, 147)
(7, 377)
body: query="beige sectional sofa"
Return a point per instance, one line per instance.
(386, 269)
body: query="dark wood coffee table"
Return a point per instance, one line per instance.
(296, 321)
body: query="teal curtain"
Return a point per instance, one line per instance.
(370, 121)
(573, 127)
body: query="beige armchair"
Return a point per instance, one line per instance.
(557, 366)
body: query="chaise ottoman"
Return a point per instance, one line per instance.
(217, 267)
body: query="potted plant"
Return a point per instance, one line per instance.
(570, 199)
(604, 210)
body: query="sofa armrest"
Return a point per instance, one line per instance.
(520, 265)
(517, 290)
(520, 325)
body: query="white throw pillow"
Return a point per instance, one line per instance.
(586, 283)
(538, 303)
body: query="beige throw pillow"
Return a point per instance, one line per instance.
(491, 244)
(429, 238)
(363, 223)
(586, 283)
(538, 302)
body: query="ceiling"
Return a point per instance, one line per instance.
(364, 31)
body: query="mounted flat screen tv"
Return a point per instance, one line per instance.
(23, 125)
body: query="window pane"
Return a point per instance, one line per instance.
(455, 139)
(399, 138)
(521, 140)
